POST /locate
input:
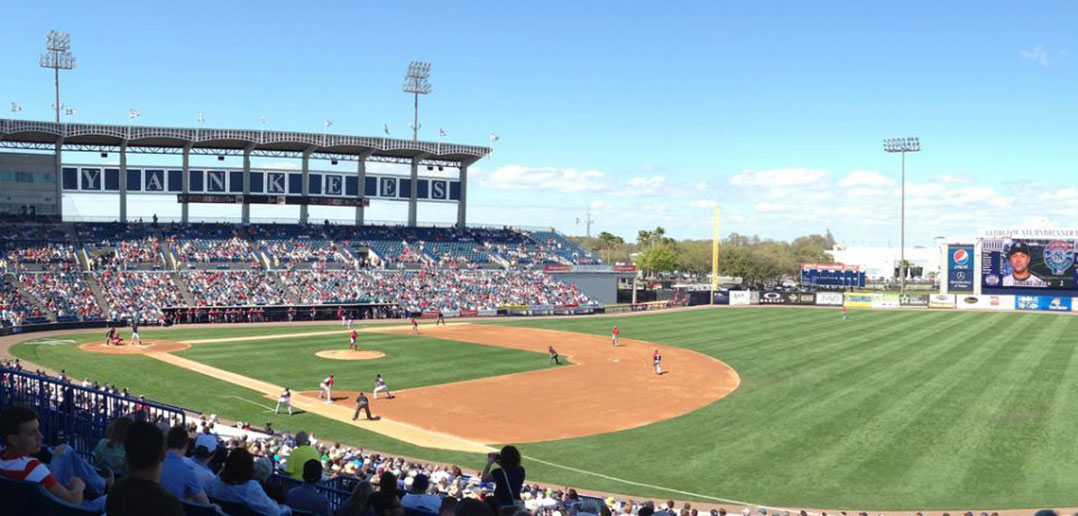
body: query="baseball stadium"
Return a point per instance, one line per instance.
(256, 314)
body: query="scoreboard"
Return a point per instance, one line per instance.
(271, 199)
(831, 275)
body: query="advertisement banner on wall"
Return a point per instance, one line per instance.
(913, 300)
(774, 298)
(741, 297)
(829, 298)
(1043, 303)
(721, 297)
(941, 301)
(886, 301)
(960, 268)
(985, 302)
(862, 300)
(801, 298)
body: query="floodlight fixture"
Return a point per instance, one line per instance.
(417, 82)
(902, 146)
(58, 56)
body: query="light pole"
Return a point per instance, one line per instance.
(417, 83)
(58, 57)
(902, 145)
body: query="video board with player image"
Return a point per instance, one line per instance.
(1016, 266)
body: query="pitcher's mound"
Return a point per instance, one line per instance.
(348, 354)
(164, 346)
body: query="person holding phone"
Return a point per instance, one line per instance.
(508, 478)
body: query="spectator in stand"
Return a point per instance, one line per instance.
(109, 452)
(22, 438)
(508, 478)
(385, 501)
(418, 499)
(302, 453)
(142, 494)
(200, 462)
(236, 483)
(359, 503)
(178, 477)
(306, 497)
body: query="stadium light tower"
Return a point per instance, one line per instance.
(58, 57)
(902, 145)
(417, 83)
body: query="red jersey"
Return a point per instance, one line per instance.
(656, 356)
(354, 334)
(616, 331)
(415, 322)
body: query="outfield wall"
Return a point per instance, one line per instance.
(878, 300)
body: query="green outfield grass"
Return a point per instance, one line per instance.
(899, 410)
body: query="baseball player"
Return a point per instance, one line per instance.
(415, 326)
(340, 315)
(284, 399)
(845, 312)
(327, 387)
(379, 386)
(134, 332)
(614, 336)
(441, 319)
(352, 340)
(110, 336)
(553, 355)
(351, 322)
(657, 359)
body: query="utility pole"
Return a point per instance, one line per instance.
(587, 223)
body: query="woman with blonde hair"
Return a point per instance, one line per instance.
(109, 452)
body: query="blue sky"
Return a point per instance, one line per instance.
(648, 113)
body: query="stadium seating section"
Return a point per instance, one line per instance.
(86, 272)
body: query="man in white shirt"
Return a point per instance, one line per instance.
(418, 499)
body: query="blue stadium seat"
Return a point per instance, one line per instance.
(20, 498)
(56, 507)
(196, 509)
(232, 508)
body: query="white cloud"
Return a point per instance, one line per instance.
(519, 177)
(700, 186)
(950, 178)
(647, 184)
(600, 205)
(703, 204)
(865, 178)
(771, 206)
(1038, 55)
(777, 178)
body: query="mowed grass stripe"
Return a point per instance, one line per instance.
(1046, 466)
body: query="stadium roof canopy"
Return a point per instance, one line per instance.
(28, 134)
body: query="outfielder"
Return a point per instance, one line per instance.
(327, 387)
(379, 386)
(284, 399)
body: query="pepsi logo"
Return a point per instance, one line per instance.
(960, 257)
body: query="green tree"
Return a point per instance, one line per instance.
(657, 258)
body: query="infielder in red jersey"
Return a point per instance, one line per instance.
(415, 326)
(614, 336)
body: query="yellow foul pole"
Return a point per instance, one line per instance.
(715, 257)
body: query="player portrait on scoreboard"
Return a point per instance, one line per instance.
(1018, 256)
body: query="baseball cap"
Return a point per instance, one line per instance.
(1018, 246)
(207, 441)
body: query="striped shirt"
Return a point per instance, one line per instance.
(26, 468)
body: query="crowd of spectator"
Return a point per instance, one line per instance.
(209, 250)
(304, 250)
(66, 294)
(41, 253)
(233, 287)
(138, 295)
